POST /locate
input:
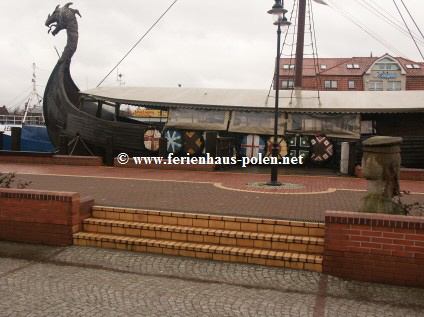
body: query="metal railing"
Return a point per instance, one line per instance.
(17, 120)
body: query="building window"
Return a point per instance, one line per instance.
(394, 85)
(411, 66)
(322, 66)
(286, 84)
(330, 84)
(353, 66)
(368, 127)
(351, 84)
(376, 85)
(287, 66)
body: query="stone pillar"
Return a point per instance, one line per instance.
(381, 166)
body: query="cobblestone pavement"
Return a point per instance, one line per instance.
(77, 281)
(207, 192)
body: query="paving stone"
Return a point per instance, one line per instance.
(83, 281)
(205, 192)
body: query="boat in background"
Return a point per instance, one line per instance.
(34, 136)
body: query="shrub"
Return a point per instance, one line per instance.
(414, 209)
(6, 181)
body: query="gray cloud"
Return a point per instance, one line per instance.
(220, 43)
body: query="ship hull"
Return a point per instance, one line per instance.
(64, 116)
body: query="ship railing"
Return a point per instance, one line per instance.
(17, 120)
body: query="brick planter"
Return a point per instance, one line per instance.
(373, 247)
(40, 216)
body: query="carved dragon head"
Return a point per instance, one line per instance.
(60, 18)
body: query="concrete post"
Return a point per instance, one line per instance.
(344, 160)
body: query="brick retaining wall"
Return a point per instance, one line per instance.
(415, 174)
(41, 216)
(374, 247)
(166, 166)
(54, 160)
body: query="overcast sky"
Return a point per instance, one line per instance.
(214, 44)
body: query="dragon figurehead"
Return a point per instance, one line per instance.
(65, 18)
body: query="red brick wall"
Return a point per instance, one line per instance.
(312, 83)
(55, 160)
(40, 216)
(373, 247)
(414, 83)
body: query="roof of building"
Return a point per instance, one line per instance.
(263, 100)
(339, 66)
(3, 111)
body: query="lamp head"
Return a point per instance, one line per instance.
(278, 13)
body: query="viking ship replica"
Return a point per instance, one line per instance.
(308, 126)
(66, 114)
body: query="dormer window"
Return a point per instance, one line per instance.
(416, 66)
(350, 66)
(323, 66)
(287, 66)
(386, 64)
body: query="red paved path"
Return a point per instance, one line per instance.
(224, 193)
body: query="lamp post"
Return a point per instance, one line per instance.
(278, 12)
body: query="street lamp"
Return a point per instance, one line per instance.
(279, 14)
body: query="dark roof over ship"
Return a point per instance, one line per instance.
(263, 100)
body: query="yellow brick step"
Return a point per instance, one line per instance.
(206, 235)
(260, 225)
(293, 260)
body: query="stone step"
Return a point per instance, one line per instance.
(293, 260)
(206, 235)
(259, 225)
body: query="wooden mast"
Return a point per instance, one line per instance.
(300, 44)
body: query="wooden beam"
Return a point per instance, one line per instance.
(99, 109)
(16, 138)
(117, 109)
(300, 44)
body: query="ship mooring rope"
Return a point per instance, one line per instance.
(407, 27)
(138, 42)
